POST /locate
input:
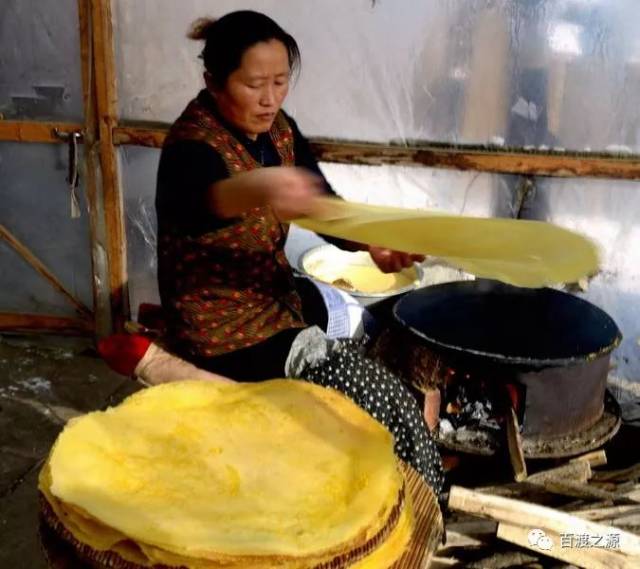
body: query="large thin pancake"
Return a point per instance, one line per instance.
(519, 252)
(407, 545)
(279, 470)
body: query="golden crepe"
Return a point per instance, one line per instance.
(518, 252)
(201, 475)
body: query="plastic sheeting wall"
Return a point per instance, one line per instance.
(40, 78)
(40, 74)
(36, 209)
(562, 73)
(545, 73)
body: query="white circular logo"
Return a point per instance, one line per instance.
(537, 538)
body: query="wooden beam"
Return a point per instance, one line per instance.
(97, 226)
(469, 157)
(149, 136)
(43, 270)
(40, 323)
(532, 163)
(104, 73)
(31, 131)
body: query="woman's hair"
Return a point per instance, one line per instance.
(226, 39)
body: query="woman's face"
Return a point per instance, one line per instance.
(255, 91)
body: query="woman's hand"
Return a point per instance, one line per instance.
(290, 192)
(389, 261)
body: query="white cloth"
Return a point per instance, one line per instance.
(345, 313)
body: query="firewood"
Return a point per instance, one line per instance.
(579, 471)
(472, 533)
(633, 495)
(517, 518)
(514, 444)
(579, 505)
(622, 475)
(578, 490)
(632, 521)
(439, 562)
(594, 458)
(502, 560)
(596, 514)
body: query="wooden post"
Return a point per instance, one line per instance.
(95, 201)
(104, 81)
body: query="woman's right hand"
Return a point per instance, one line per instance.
(290, 192)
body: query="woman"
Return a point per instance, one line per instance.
(234, 169)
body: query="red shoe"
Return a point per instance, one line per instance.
(122, 352)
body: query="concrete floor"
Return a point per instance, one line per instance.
(43, 383)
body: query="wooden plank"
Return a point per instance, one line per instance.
(31, 131)
(97, 226)
(41, 323)
(106, 107)
(43, 270)
(538, 163)
(514, 444)
(517, 518)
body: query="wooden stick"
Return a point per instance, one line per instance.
(95, 201)
(540, 163)
(31, 131)
(624, 474)
(596, 514)
(595, 458)
(516, 519)
(42, 269)
(514, 444)
(106, 101)
(577, 490)
(579, 471)
(40, 323)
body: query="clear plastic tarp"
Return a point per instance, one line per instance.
(544, 73)
(562, 74)
(40, 75)
(36, 209)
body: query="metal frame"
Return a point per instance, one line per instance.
(102, 133)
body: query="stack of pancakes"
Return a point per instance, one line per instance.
(201, 475)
